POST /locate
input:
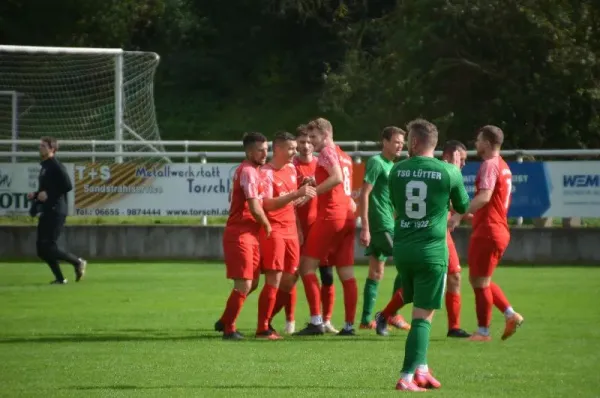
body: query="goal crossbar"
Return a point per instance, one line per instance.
(60, 50)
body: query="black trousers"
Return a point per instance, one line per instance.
(49, 229)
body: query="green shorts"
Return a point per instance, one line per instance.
(423, 284)
(381, 245)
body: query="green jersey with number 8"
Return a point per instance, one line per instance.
(421, 189)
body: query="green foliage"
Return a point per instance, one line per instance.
(529, 66)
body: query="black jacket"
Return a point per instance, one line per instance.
(55, 181)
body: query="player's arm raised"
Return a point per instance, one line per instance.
(250, 181)
(329, 160)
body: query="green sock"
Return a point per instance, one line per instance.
(369, 298)
(397, 283)
(417, 342)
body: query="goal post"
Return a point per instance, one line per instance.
(79, 94)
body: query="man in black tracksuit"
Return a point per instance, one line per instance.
(50, 201)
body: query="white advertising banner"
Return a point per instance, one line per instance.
(19, 179)
(131, 189)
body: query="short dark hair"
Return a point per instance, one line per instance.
(51, 142)
(492, 134)
(253, 138)
(425, 132)
(453, 145)
(302, 130)
(283, 136)
(389, 131)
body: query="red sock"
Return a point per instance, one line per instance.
(483, 306)
(350, 299)
(280, 302)
(500, 300)
(290, 305)
(328, 297)
(266, 302)
(313, 293)
(453, 310)
(394, 305)
(232, 310)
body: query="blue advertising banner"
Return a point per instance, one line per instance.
(549, 189)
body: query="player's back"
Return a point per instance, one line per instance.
(421, 189)
(492, 219)
(280, 182)
(334, 204)
(246, 184)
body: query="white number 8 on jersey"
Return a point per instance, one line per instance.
(346, 181)
(416, 193)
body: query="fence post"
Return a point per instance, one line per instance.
(519, 160)
(204, 218)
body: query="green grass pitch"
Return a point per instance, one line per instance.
(145, 330)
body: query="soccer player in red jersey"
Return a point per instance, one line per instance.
(241, 235)
(334, 192)
(490, 236)
(281, 250)
(306, 165)
(452, 296)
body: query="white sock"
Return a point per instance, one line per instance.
(509, 312)
(407, 377)
(348, 326)
(316, 320)
(483, 331)
(423, 368)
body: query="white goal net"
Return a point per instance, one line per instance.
(78, 94)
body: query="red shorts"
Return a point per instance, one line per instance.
(453, 260)
(279, 253)
(343, 253)
(242, 255)
(484, 255)
(323, 237)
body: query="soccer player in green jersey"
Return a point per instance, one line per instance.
(377, 221)
(421, 189)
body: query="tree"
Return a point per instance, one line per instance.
(530, 67)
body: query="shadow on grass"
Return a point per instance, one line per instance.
(140, 335)
(121, 387)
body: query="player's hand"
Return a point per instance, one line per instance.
(42, 196)
(456, 158)
(307, 190)
(268, 230)
(365, 237)
(31, 195)
(309, 181)
(454, 222)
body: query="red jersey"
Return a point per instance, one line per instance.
(276, 183)
(492, 219)
(347, 170)
(334, 204)
(307, 213)
(246, 185)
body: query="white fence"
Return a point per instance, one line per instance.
(194, 151)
